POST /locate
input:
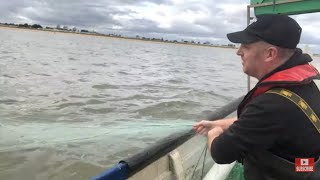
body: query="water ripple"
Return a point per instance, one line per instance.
(65, 105)
(172, 109)
(94, 101)
(105, 86)
(8, 101)
(98, 111)
(8, 76)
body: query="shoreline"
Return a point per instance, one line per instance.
(117, 37)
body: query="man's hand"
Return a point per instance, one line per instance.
(212, 129)
(203, 127)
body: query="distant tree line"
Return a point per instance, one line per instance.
(25, 25)
(174, 41)
(38, 26)
(74, 29)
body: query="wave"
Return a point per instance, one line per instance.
(41, 74)
(105, 86)
(8, 76)
(94, 101)
(101, 65)
(99, 111)
(138, 97)
(8, 101)
(68, 82)
(172, 110)
(76, 96)
(176, 81)
(123, 72)
(72, 59)
(64, 105)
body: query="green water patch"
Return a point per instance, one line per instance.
(236, 172)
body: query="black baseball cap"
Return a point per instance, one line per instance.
(276, 29)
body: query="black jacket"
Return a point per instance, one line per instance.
(274, 124)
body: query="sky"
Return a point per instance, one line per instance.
(198, 20)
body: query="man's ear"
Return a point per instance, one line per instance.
(271, 54)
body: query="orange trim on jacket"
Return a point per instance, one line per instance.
(297, 75)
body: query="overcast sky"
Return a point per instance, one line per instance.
(170, 19)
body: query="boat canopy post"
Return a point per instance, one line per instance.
(248, 22)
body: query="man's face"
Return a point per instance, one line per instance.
(252, 56)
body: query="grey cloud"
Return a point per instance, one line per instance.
(8, 9)
(309, 39)
(71, 12)
(213, 25)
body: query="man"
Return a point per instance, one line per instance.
(271, 130)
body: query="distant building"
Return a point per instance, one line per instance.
(231, 45)
(36, 26)
(84, 31)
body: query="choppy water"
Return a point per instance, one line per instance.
(72, 105)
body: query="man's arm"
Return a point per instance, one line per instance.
(259, 127)
(225, 123)
(212, 134)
